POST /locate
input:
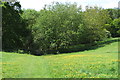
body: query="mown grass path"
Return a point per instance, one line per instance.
(99, 63)
(25, 66)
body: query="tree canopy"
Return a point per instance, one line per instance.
(13, 29)
(56, 27)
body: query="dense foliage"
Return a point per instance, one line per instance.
(56, 28)
(13, 28)
(114, 25)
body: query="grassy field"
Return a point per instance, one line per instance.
(97, 63)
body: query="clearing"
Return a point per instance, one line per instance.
(97, 63)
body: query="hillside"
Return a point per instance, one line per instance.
(101, 62)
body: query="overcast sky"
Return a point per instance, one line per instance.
(39, 4)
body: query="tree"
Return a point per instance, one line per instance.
(57, 27)
(29, 16)
(93, 25)
(114, 13)
(114, 27)
(13, 29)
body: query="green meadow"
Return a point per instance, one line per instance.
(101, 62)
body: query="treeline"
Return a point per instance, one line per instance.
(56, 28)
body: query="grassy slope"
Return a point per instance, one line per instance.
(101, 62)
